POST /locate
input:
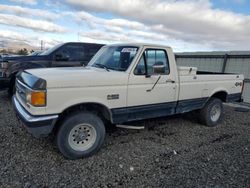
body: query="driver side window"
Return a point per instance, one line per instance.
(70, 53)
(62, 54)
(150, 58)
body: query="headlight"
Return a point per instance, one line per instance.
(36, 98)
(4, 65)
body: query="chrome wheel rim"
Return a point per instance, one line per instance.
(215, 113)
(82, 137)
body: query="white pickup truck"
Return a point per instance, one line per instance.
(122, 83)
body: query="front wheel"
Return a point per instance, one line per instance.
(80, 135)
(211, 113)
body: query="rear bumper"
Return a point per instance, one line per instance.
(38, 126)
(4, 83)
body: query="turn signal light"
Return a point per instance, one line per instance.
(38, 98)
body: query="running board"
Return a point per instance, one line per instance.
(130, 127)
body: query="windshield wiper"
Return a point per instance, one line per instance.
(102, 66)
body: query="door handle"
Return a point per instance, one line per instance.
(170, 81)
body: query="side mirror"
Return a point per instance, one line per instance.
(159, 68)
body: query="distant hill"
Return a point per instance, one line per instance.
(13, 46)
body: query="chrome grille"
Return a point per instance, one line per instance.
(21, 91)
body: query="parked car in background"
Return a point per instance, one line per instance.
(3, 56)
(121, 83)
(70, 54)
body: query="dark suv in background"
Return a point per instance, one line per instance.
(68, 54)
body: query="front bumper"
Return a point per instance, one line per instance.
(38, 126)
(4, 83)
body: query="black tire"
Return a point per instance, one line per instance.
(64, 135)
(207, 113)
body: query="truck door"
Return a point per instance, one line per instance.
(151, 92)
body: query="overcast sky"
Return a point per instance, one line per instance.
(186, 25)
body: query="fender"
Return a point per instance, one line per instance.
(103, 109)
(219, 89)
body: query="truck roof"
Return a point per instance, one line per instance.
(80, 43)
(139, 44)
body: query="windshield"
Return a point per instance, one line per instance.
(47, 52)
(115, 57)
(35, 53)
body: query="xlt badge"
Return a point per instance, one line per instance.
(113, 96)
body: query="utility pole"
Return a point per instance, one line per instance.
(41, 45)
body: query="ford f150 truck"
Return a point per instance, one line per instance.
(68, 54)
(122, 83)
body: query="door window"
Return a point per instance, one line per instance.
(150, 58)
(70, 53)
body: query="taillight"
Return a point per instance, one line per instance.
(243, 83)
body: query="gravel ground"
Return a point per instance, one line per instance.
(171, 152)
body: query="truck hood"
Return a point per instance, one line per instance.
(79, 77)
(23, 58)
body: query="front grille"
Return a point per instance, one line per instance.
(21, 91)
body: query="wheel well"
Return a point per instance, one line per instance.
(12, 83)
(13, 77)
(98, 109)
(222, 95)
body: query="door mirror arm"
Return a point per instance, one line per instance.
(149, 90)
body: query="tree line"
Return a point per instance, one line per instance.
(22, 51)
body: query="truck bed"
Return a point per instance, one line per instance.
(195, 90)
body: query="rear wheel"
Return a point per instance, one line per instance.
(80, 135)
(211, 114)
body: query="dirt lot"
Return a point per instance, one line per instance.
(176, 152)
